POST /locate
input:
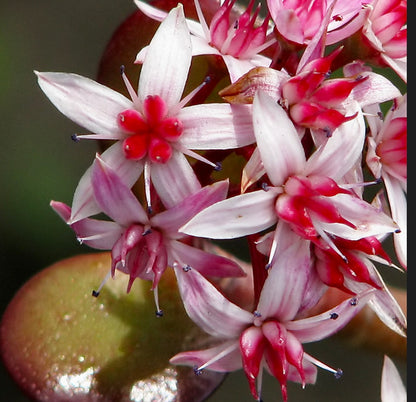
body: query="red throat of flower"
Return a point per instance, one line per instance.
(151, 133)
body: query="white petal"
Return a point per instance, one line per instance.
(374, 90)
(235, 217)
(323, 325)
(168, 58)
(208, 308)
(392, 387)
(277, 140)
(369, 221)
(174, 180)
(398, 206)
(283, 290)
(341, 151)
(216, 126)
(86, 102)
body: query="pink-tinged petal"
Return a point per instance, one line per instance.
(152, 12)
(368, 220)
(84, 204)
(398, 65)
(115, 199)
(200, 46)
(206, 264)
(216, 126)
(277, 140)
(285, 285)
(398, 206)
(168, 58)
(392, 387)
(208, 308)
(324, 325)
(101, 235)
(173, 218)
(383, 302)
(373, 90)
(340, 152)
(84, 101)
(174, 180)
(225, 357)
(235, 217)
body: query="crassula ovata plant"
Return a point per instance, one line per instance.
(293, 139)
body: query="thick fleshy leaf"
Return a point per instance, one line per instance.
(216, 126)
(168, 58)
(84, 101)
(208, 308)
(235, 217)
(115, 199)
(59, 343)
(172, 219)
(281, 151)
(321, 326)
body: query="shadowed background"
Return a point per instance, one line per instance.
(39, 162)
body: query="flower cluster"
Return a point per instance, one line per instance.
(315, 126)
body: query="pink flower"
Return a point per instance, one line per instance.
(299, 20)
(385, 32)
(143, 246)
(270, 338)
(303, 193)
(237, 40)
(387, 159)
(154, 127)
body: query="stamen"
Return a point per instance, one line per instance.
(218, 166)
(354, 301)
(175, 110)
(194, 155)
(337, 372)
(333, 316)
(186, 268)
(197, 371)
(96, 293)
(159, 312)
(75, 138)
(129, 87)
(224, 352)
(146, 175)
(325, 236)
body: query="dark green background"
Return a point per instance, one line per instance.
(39, 162)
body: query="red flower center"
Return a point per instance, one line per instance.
(151, 132)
